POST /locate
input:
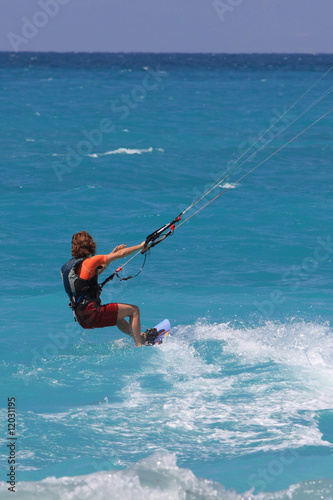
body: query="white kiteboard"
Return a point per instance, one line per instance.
(163, 329)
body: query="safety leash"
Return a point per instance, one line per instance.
(117, 271)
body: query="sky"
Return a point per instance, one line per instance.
(219, 26)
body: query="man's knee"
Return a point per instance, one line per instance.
(128, 310)
(136, 310)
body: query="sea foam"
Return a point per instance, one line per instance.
(155, 478)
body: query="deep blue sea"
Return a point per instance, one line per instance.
(238, 401)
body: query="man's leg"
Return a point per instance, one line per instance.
(134, 325)
(124, 327)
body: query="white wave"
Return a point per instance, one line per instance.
(228, 185)
(215, 392)
(292, 344)
(123, 151)
(257, 378)
(157, 477)
(224, 390)
(154, 478)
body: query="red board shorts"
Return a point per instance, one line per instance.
(94, 316)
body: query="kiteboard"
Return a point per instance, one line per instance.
(162, 330)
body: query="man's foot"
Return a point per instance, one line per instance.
(150, 335)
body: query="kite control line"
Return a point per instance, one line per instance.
(167, 230)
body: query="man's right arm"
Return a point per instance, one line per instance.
(120, 252)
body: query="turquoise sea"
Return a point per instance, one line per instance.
(238, 402)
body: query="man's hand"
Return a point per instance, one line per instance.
(144, 247)
(119, 247)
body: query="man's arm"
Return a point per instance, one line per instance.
(120, 252)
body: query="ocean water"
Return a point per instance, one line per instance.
(238, 402)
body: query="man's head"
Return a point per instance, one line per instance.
(83, 245)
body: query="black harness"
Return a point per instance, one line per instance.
(80, 292)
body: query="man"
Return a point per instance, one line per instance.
(80, 278)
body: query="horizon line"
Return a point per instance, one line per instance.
(163, 53)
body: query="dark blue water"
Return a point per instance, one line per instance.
(241, 394)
